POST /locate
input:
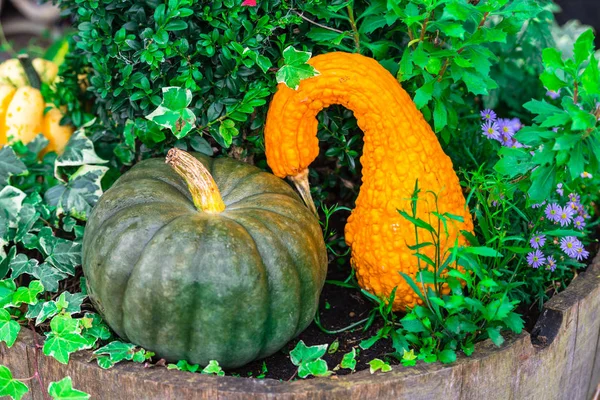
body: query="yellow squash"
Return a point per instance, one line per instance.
(22, 108)
(13, 74)
(399, 148)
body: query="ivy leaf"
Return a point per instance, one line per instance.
(79, 151)
(7, 289)
(213, 368)
(45, 310)
(11, 202)
(379, 365)
(295, 68)
(172, 113)
(316, 368)
(95, 327)
(9, 329)
(64, 338)
(10, 386)
(80, 194)
(48, 275)
(349, 360)
(27, 295)
(9, 165)
(117, 351)
(308, 359)
(63, 254)
(63, 390)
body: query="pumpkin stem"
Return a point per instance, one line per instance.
(300, 180)
(32, 76)
(200, 183)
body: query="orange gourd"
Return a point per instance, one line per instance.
(399, 148)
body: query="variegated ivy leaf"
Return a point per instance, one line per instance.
(10, 386)
(63, 390)
(296, 68)
(9, 165)
(379, 365)
(117, 351)
(213, 368)
(309, 361)
(9, 328)
(79, 151)
(64, 338)
(79, 195)
(11, 202)
(172, 113)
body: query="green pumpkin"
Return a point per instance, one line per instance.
(230, 285)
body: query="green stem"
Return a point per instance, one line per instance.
(354, 28)
(30, 72)
(204, 190)
(327, 331)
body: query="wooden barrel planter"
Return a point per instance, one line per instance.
(560, 359)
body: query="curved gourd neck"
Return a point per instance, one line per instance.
(200, 183)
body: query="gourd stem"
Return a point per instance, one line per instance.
(300, 180)
(30, 72)
(200, 183)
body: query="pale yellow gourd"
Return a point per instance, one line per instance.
(22, 115)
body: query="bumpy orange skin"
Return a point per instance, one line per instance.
(399, 148)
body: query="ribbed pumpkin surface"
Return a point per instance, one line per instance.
(187, 284)
(399, 148)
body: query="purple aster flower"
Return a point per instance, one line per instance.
(538, 205)
(569, 245)
(565, 216)
(581, 253)
(517, 145)
(574, 206)
(536, 259)
(574, 197)
(507, 141)
(491, 130)
(488, 115)
(551, 263)
(586, 175)
(506, 128)
(552, 212)
(538, 241)
(560, 190)
(579, 223)
(552, 94)
(516, 124)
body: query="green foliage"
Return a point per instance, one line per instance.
(118, 351)
(379, 365)
(564, 140)
(447, 323)
(213, 367)
(308, 360)
(349, 360)
(10, 386)
(63, 390)
(295, 68)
